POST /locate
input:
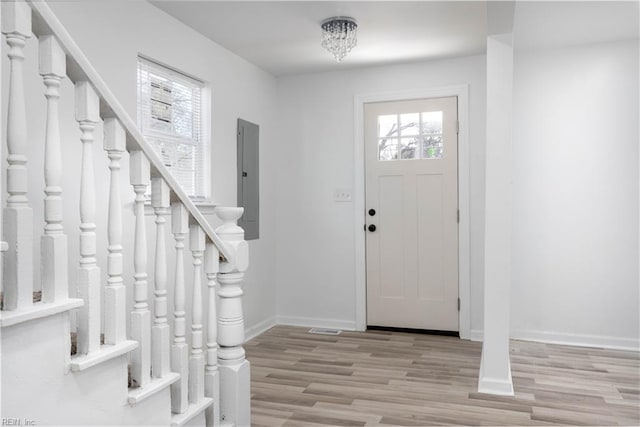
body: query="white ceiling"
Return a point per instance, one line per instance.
(283, 37)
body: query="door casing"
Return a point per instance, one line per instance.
(464, 290)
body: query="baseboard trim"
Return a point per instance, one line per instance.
(345, 325)
(496, 386)
(253, 331)
(476, 335)
(578, 340)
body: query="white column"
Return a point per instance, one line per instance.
(3, 244)
(160, 345)
(179, 349)
(115, 329)
(235, 395)
(88, 115)
(495, 369)
(53, 244)
(140, 316)
(196, 361)
(18, 216)
(211, 375)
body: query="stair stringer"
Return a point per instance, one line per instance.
(38, 385)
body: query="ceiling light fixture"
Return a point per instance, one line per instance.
(339, 36)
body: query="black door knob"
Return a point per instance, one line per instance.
(372, 228)
(372, 212)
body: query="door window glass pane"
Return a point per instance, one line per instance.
(409, 148)
(388, 125)
(410, 136)
(432, 147)
(409, 124)
(388, 148)
(432, 122)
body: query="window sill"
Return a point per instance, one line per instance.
(207, 208)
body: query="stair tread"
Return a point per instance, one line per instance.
(178, 420)
(138, 394)
(106, 352)
(37, 311)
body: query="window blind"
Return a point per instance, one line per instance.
(170, 117)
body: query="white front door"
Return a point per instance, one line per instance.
(411, 151)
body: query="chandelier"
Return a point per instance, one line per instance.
(339, 36)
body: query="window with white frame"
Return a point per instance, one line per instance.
(170, 116)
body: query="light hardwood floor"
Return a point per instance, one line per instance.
(391, 378)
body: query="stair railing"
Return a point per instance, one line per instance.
(214, 376)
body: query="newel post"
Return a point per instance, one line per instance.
(235, 396)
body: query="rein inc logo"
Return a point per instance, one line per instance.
(18, 422)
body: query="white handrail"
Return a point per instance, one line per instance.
(80, 69)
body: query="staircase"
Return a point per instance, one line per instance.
(134, 361)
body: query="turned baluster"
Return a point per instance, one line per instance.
(18, 216)
(53, 244)
(179, 349)
(88, 115)
(234, 369)
(140, 316)
(196, 361)
(115, 330)
(160, 345)
(211, 375)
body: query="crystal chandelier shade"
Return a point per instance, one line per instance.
(339, 36)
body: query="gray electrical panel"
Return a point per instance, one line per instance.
(248, 178)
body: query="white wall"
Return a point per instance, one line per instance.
(315, 245)
(112, 34)
(575, 209)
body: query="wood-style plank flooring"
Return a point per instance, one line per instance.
(402, 379)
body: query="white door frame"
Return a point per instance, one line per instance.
(464, 288)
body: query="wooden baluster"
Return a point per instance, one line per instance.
(18, 216)
(179, 349)
(235, 396)
(115, 329)
(211, 376)
(88, 115)
(160, 345)
(53, 244)
(196, 361)
(140, 316)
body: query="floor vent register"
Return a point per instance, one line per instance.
(325, 331)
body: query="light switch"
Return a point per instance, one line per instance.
(343, 195)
